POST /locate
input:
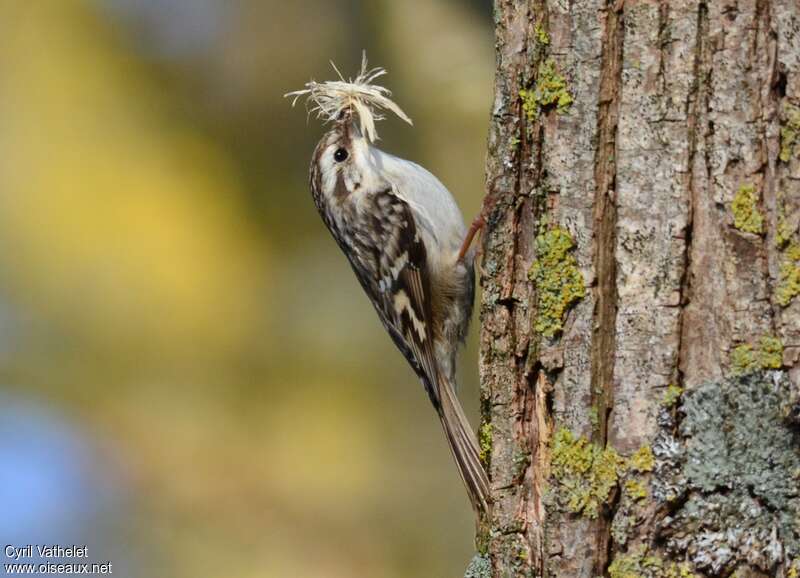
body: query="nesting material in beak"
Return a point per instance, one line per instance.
(338, 100)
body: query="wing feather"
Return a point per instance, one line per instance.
(392, 266)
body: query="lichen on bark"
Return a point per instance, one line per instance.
(790, 134)
(766, 354)
(559, 283)
(746, 216)
(485, 443)
(641, 563)
(550, 88)
(586, 476)
(584, 473)
(479, 567)
(735, 494)
(675, 173)
(789, 276)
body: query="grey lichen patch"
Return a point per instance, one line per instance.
(559, 283)
(479, 567)
(550, 90)
(622, 525)
(790, 134)
(746, 216)
(732, 471)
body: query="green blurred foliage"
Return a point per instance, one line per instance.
(169, 284)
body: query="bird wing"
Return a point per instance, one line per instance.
(391, 263)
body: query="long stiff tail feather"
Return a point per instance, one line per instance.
(464, 447)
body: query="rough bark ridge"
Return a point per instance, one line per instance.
(640, 274)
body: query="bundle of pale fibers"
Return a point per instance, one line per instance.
(334, 98)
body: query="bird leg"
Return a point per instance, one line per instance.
(477, 226)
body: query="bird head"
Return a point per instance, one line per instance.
(344, 160)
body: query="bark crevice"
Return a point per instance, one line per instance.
(604, 257)
(695, 122)
(605, 220)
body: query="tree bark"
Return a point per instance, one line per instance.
(640, 331)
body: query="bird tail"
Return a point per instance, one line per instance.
(464, 447)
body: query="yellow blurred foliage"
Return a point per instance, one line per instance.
(117, 218)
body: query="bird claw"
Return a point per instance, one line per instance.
(475, 228)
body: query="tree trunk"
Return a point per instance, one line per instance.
(640, 331)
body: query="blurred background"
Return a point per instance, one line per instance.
(191, 381)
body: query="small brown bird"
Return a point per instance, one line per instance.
(404, 236)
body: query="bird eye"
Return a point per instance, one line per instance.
(340, 155)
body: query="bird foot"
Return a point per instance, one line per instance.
(477, 226)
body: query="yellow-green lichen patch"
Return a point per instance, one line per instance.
(635, 489)
(542, 37)
(672, 395)
(770, 352)
(485, 442)
(766, 354)
(642, 460)
(746, 216)
(550, 90)
(587, 477)
(743, 360)
(789, 276)
(640, 564)
(794, 570)
(586, 473)
(530, 105)
(784, 231)
(790, 135)
(559, 283)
